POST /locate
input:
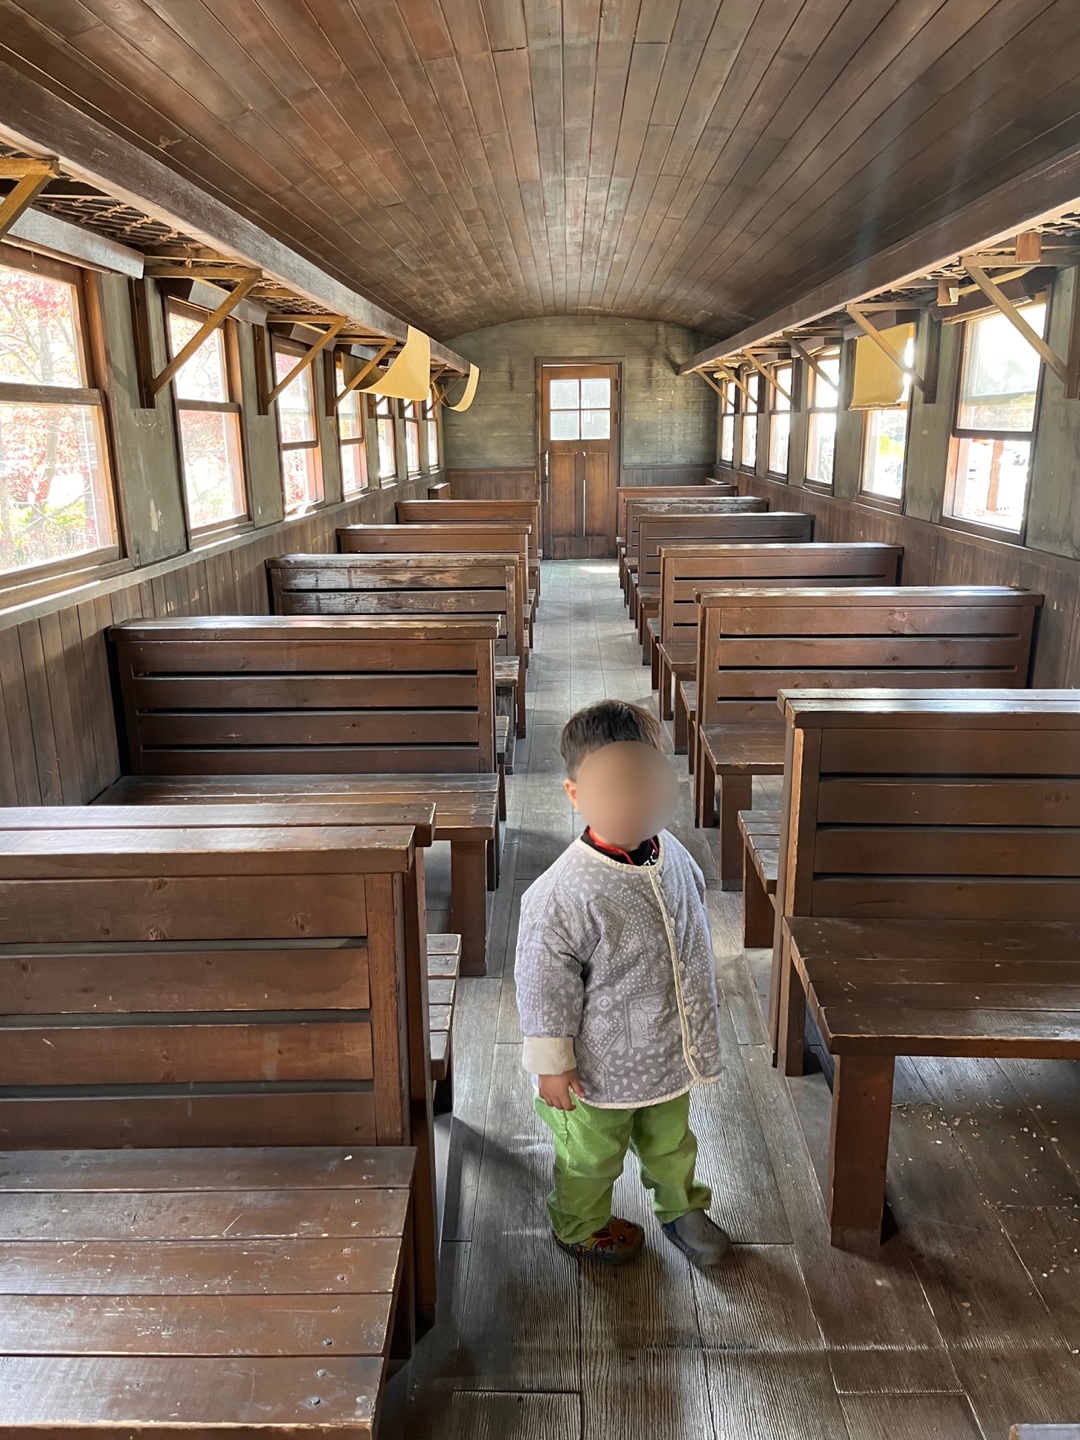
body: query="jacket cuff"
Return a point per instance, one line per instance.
(548, 1057)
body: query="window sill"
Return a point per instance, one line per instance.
(47, 580)
(212, 534)
(820, 487)
(880, 502)
(985, 532)
(779, 476)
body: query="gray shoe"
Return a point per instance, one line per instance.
(699, 1238)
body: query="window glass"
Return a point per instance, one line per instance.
(351, 441)
(209, 425)
(411, 414)
(995, 421)
(780, 420)
(431, 426)
(727, 421)
(55, 501)
(386, 437)
(751, 404)
(885, 443)
(579, 409)
(821, 427)
(301, 466)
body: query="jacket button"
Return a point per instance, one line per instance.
(693, 1049)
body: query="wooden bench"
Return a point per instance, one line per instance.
(205, 1219)
(754, 643)
(399, 710)
(930, 889)
(625, 493)
(760, 831)
(481, 512)
(688, 569)
(479, 538)
(440, 491)
(647, 505)
(418, 585)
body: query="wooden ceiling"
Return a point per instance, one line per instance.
(474, 161)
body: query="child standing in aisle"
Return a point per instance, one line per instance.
(617, 995)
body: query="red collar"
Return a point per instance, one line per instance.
(616, 852)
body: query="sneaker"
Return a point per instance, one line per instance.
(618, 1243)
(698, 1237)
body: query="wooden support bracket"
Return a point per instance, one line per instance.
(879, 340)
(741, 383)
(362, 374)
(769, 378)
(1015, 317)
(329, 335)
(805, 356)
(710, 382)
(205, 330)
(31, 177)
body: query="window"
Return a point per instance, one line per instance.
(55, 498)
(821, 422)
(386, 435)
(780, 420)
(298, 431)
(411, 413)
(431, 428)
(208, 420)
(751, 405)
(995, 421)
(580, 409)
(885, 440)
(727, 422)
(351, 441)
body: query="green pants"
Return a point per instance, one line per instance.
(590, 1150)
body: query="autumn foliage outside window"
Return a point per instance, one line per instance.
(209, 424)
(55, 501)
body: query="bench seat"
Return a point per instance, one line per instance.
(728, 758)
(760, 830)
(204, 1289)
(444, 968)
(997, 989)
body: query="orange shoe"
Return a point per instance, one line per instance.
(618, 1243)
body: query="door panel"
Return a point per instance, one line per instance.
(579, 430)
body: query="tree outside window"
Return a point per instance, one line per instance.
(55, 497)
(208, 419)
(995, 422)
(298, 432)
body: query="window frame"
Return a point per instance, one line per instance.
(279, 344)
(387, 418)
(729, 409)
(751, 379)
(831, 352)
(777, 405)
(356, 398)
(204, 534)
(959, 433)
(104, 558)
(894, 503)
(429, 414)
(410, 419)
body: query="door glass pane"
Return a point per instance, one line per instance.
(595, 424)
(596, 394)
(564, 424)
(564, 394)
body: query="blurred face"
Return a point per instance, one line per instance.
(625, 792)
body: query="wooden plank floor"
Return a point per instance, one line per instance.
(968, 1321)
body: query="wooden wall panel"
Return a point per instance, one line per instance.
(58, 733)
(937, 555)
(516, 483)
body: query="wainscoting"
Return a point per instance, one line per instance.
(937, 555)
(59, 743)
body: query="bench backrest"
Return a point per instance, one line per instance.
(402, 585)
(266, 695)
(439, 491)
(704, 490)
(763, 527)
(474, 512)
(938, 805)
(755, 643)
(201, 985)
(638, 507)
(686, 570)
(482, 538)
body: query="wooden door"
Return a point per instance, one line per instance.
(579, 457)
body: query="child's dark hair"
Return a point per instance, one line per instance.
(605, 723)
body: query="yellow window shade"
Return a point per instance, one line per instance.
(878, 380)
(408, 377)
(469, 391)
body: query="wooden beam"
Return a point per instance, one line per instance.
(362, 374)
(205, 330)
(331, 334)
(883, 344)
(30, 176)
(769, 378)
(1017, 204)
(1014, 316)
(1029, 247)
(36, 121)
(44, 233)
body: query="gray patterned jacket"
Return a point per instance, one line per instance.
(615, 976)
